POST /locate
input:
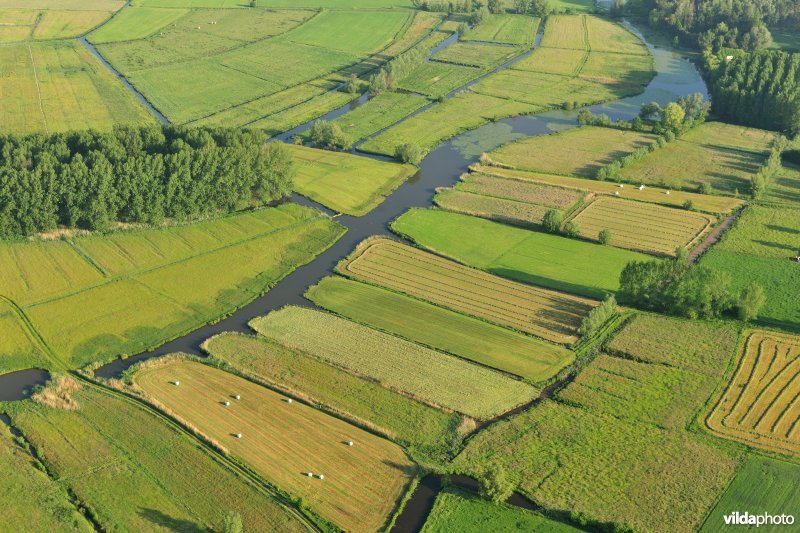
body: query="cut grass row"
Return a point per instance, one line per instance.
(430, 376)
(441, 329)
(545, 313)
(284, 441)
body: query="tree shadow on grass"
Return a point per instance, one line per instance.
(174, 524)
(784, 229)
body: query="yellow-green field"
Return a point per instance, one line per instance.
(344, 182)
(284, 441)
(42, 19)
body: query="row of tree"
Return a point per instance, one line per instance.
(90, 179)
(761, 89)
(395, 70)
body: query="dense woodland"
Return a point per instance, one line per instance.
(91, 180)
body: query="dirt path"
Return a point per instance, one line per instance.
(713, 237)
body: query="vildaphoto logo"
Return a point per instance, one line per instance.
(764, 519)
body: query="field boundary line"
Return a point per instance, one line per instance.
(81, 252)
(38, 89)
(32, 333)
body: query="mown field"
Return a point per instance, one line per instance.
(93, 298)
(719, 155)
(476, 54)
(31, 500)
(701, 202)
(432, 377)
(785, 187)
(344, 182)
(601, 446)
(283, 441)
(574, 152)
(380, 112)
(505, 28)
(760, 405)
(541, 312)
(22, 21)
(761, 485)
(758, 249)
(441, 328)
(457, 510)
(418, 427)
(154, 477)
(435, 79)
(59, 86)
(643, 227)
(543, 259)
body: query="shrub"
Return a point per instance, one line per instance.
(57, 393)
(571, 229)
(495, 485)
(705, 188)
(605, 236)
(688, 205)
(598, 316)
(552, 221)
(409, 153)
(750, 302)
(330, 135)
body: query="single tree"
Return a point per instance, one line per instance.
(672, 117)
(409, 153)
(750, 302)
(495, 6)
(571, 229)
(605, 236)
(232, 523)
(352, 84)
(552, 221)
(495, 485)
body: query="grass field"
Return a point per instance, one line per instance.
(476, 54)
(59, 86)
(440, 328)
(506, 29)
(153, 478)
(300, 114)
(577, 151)
(55, 24)
(380, 112)
(418, 427)
(758, 249)
(500, 209)
(545, 313)
(427, 375)
(701, 202)
(760, 406)
(344, 182)
(761, 485)
(136, 289)
(643, 227)
(32, 501)
(435, 79)
(785, 187)
(283, 441)
(457, 510)
(19, 347)
(136, 23)
(720, 155)
(542, 259)
(623, 419)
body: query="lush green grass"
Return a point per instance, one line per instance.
(457, 510)
(425, 374)
(96, 297)
(344, 182)
(354, 32)
(341, 4)
(55, 24)
(758, 250)
(506, 28)
(60, 86)
(785, 187)
(435, 79)
(548, 260)
(720, 155)
(135, 471)
(136, 23)
(476, 54)
(19, 346)
(577, 151)
(31, 500)
(285, 441)
(614, 444)
(418, 427)
(380, 112)
(302, 113)
(440, 328)
(761, 485)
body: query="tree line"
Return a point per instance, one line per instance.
(91, 179)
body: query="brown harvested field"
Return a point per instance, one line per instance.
(499, 209)
(643, 227)
(551, 315)
(578, 151)
(519, 190)
(761, 404)
(284, 441)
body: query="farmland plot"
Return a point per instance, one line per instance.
(435, 79)
(55, 24)
(499, 209)
(379, 112)
(507, 29)
(545, 313)
(427, 375)
(519, 190)
(761, 405)
(135, 22)
(643, 227)
(476, 54)
(283, 441)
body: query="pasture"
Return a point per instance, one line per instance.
(701, 202)
(547, 314)
(435, 79)
(18, 345)
(458, 510)
(476, 54)
(60, 86)
(138, 480)
(785, 187)
(643, 227)
(136, 289)
(43, 20)
(542, 259)
(136, 23)
(292, 117)
(441, 328)
(761, 485)
(760, 404)
(721, 156)
(630, 426)
(378, 113)
(283, 441)
(427, 375)
(500, 209)
(344, 182)
(54, 24)
(574, 152)
(415, 425)
(506, 29)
